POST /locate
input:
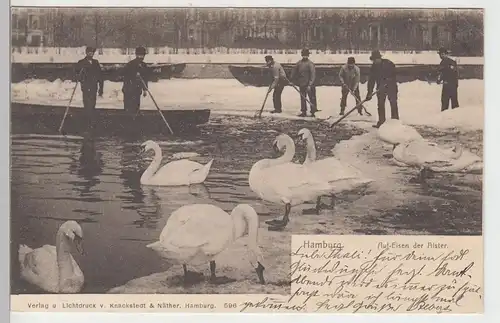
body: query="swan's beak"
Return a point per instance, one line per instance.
(79, 245)
(260, 273)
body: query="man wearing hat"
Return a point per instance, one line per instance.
(279, 82)
(304, 75)
(134, 73)
(448, 75)
(349, 78)
(89, 75)
(383, 73)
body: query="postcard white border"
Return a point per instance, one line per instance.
(491, 203)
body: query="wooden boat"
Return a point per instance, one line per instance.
(30, 118)
(66, 71)
(327, 75)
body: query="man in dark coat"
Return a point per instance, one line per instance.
(448, 75)
(89, 74)
(383, 73)
(134, 73)
(304, 75)
(349, 76)
(279, 82)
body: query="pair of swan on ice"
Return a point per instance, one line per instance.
(281, 181)
(194, 234)
(410, 149)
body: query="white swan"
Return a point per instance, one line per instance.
(394, 132)
(429, 156)
(175, 173)
(53, 268)
(342, 177)
(281, 181)
(195, 234)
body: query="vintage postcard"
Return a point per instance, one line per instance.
(259, 160)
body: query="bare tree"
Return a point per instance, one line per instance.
(128, 28)
(296, 27)
(97, 28)
(227, 23)
(180, 19)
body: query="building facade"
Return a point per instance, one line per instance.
(27, 25)
(334, 29)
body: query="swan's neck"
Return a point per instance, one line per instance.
(155, 164)
(311, 149)
(240, 226)
(246, 221)
(64, 261)
(287, 156)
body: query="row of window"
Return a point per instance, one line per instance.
(32, 21)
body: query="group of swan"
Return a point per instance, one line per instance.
(193, 234)
(410, 149)
(281, 181)
(196, 234)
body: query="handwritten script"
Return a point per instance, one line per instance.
(381, 274)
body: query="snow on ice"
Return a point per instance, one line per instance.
(419, 101)
(221, 56)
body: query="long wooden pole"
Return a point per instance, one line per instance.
(350, 111)
(67, 108)
(358, 101)
(259, 113)
(156, 105)
(296, 89)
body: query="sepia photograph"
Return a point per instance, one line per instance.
(178, 150)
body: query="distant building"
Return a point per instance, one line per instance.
(334, 29)
(27, 27)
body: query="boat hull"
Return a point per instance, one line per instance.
(66, 71)
(327, 75)
(27, 118)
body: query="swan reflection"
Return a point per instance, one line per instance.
(88, 167)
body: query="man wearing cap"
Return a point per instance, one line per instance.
(383, 73)
(279, 82)
(89, 74)
(448, 75)
(134, 73)
(304, 75)
(349, 79)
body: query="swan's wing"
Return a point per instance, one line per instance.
(427, 154)
(332, 169)
(292, 176)
(177, 172)
(41, 260)
(466, 160)
(397, 132)
(196, 226)
(183, 166)
(410, 132)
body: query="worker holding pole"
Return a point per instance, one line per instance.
(135, 81)
(349, 76)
